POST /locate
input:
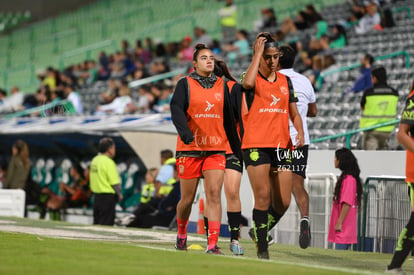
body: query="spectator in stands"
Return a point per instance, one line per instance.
(239, 49)
(324, 47)
(186, 50)
(313, 15)
(337, 38)
(33, 100)
(159, 66)
(364, 80)
(406, 137)
(142, 53)
(267, 22)
(314, 73)
(111, 92)
(346, 200)
(13, 102)
(51, 78)
(370, 20)
(142, 105)
(105, 183)
(19, 166)
(263, 145)
(307, 108)
(290, 25)
(201, 37)
(104, 70)
(330, 65)
(228, 21)
(164, 100)
(216, 47)
(125, 48)
(73, 97)
(119, 104)
(91, 74)
(379, 104)
(321, 29)
(117, 67)
(3, 95)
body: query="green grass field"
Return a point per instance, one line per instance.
(44, 247)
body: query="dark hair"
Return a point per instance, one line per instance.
(287, 56)
(244, 32)
(380, 74)
(78, 168)
(412, 87)
(221, 69)
(348, 164)
(167, 153)
(23, 152)
(197, 50)
(370, 58)
(104, 144)
(270, 42)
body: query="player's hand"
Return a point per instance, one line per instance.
(300, 141)
(259, 45)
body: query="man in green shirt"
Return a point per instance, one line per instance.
(105, 183)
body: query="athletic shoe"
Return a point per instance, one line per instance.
(305, 234)
(395, 271)
(236, 248)
(124, 221)
(253, 237)
(181, 244)
(214, 250)
(263, 255)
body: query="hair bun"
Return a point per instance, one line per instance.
(200, 46)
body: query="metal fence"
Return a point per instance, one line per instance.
(320, 190)
(384, 212)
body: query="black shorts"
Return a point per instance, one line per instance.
(300, 161)
(233, 162)
(276, 157)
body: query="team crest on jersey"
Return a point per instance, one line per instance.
(254, 155)
(218, 96)
(284, 90)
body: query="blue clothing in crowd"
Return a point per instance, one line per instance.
(363, 82)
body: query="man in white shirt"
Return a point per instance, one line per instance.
(307, 108)
(74, 98)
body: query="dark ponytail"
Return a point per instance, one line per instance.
(221, 69)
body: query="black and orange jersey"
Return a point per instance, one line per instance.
(265, 115)
(205, 118)
(407, 117)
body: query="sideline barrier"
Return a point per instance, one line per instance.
(12, 202)
(385, 213)
(320, 190)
